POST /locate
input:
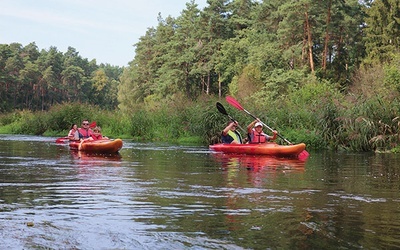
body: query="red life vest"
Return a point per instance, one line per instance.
(97, 137)
(85, 133)
(257, 137)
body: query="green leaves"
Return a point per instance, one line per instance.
(382, 32)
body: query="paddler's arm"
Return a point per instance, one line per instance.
(229, 127)
(275, 135)
(251, 125)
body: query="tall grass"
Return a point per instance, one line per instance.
(310, 111)
(195, 122)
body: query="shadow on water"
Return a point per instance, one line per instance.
(163, 196)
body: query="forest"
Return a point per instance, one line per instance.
(326, 73)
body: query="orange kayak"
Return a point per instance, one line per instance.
(269, 148)
(98, 146)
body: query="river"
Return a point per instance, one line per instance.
(164, 196)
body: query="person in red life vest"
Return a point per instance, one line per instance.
(255, 131)
(85, 131)
(97, 134)
(231, 135)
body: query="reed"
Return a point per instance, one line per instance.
(316, 114)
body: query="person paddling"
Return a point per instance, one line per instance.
(255, 131)
(230, 134)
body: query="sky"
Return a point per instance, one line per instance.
(105, 30)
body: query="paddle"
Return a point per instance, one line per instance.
(93, 124)
(222, 110)
(232, 101)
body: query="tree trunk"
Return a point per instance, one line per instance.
(208, 83)
(327, 36)
(309, 41)
(219, 86)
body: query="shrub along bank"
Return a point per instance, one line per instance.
(315, 114)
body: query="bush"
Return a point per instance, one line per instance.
(141, 126)
(62, 116)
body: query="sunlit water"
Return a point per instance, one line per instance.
(162, 196)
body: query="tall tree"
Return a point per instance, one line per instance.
(344, 40)
(214, 30)
(12, 68)
(184, 51)
(297, 32)
(51, 63)
(73, 80)
(138, 80)
(241, 14)
(28, 78)
(168, 75)
(382, 33)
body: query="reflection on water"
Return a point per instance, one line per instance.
(259, 162)
(90, 158)
(161, 196)
(259, 168)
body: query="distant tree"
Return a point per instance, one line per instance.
(13, 65)
(214, 30)
(73, 80)
(51, 65)
(29, 85)
(184, 52)
(382, 32)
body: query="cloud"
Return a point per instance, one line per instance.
(61, 20)
(101, 29)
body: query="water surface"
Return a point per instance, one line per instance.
(163, 196)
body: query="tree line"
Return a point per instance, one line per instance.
(324, 72)
(36, 80)
(231, 46)
(244, 47)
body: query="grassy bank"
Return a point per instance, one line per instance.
(316, 114)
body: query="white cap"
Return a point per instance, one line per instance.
(258, 124)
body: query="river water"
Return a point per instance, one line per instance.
(163, 196)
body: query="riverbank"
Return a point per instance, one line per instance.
(324, 124)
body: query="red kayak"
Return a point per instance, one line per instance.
(97, 146)
(62, 140)
(269, 148)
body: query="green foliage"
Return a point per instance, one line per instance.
(392, 73)
(114, 124)
(382, 34)
(35, 124)
(8, 118)
(310, 137)
(24, 122)
(295, 64)
(249, 81)
(141, 126)
(311, 103)
(37, 80)
(374, 124)
(62, 116)
(170, 125)
(212, 125)
(276, 86)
